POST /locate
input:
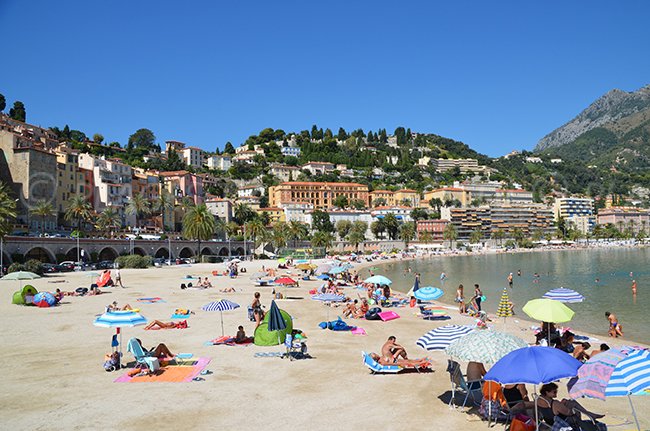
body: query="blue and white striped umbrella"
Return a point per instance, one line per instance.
(330, 297)
(428, 293)
(120, 319)
(223, 305)
(563, 294)
(631, 376)
(443, 336)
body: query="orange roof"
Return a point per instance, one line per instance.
(173, 173)
(271, 209)
(447, 189)
(383, 192)
(316, 183)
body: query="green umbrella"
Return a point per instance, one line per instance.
(20, 275)
(486, 346)
(548, 310)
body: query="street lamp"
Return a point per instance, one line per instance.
(169, 255)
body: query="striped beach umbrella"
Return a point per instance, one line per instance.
(616, 372)
(484, 346)
(328, 297)
(441, 337)
(221, 306)
(504, 309)
(120, 319)
(563, 294)
(428, 293)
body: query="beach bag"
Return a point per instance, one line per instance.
(112, 362)
(491, 409)
(522, 423)
(560, 424)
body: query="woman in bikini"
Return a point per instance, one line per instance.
(157, 324)
(258, 313)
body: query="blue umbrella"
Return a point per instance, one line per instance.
(379, 279)
(428, 293)
(221, 306)
(323, 277)
(441, 337)
(563, 294)
(120, 319)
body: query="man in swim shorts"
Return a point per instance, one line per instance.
(391, 351)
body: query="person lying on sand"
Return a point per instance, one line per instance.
(228, 290)
(161, 350)
(362, 310)
(406, 363)
(205, 283)
(350, 309)
(157, 324)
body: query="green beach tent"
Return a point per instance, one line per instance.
(19, 296)
(264, 337)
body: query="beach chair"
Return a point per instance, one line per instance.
(471, 388)
(142, 357)
(376, 368)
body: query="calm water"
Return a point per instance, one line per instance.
(574, 269)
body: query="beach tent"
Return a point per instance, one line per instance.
(19, 296)
(264, 337)
(44, 299)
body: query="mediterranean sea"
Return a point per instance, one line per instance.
(603, 275)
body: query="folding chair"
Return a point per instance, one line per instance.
(471, 388)
(142, 357)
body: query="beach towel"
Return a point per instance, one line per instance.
(358, 331)
(388, 315)
(150, 300)
(227, 340)
(336, 325)
(169, 373)
(181, 313)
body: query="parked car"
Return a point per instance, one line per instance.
(66, 266)
(106, 264)
(50, 268)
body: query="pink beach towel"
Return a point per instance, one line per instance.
(388, 315)
(358, 331)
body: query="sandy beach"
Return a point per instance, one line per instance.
(54, 377)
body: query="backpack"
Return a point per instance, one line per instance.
(112, 362)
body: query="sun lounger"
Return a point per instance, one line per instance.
(376, 368)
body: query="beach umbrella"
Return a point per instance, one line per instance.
(285, 280)
(119, 320)
(221, 306)
(548, 310)
(338, 270)
(441, 337)
(614, 373)
(306, 266)
(379, 279)
(328, 297)
(258, 275)
(504, 309)
(563, 294)
(21, 275)
(323, 277)
(44, 299)
(486, 346)
(535, 365)
(428, 293)
(276, 321)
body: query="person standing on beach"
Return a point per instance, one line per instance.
(416, 283)
(510, 280)
(634, 287)
(478, 297)
(615, 328)
(118, 277)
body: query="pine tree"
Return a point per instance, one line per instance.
(18, 112)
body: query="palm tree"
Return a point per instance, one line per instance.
(256, 230)
(498, 235)
(407, 233)
(450, 233)
(476, 236)
(297, 231)
(43, 209)
(392, 225)
(78, 209)
(199, 224)
(279, 235)
(232, 229)
(164, 203)
(7, 210)
(107, 219)
(243, 213)
(426, 237)
(322, 239)
(138, 206)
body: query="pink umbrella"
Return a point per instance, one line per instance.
(285, 280)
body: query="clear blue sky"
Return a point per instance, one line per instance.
(496, 75)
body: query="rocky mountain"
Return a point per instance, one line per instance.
(614, 118)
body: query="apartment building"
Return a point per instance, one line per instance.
(146, 184)
(297, 211)
(435, 227)
(320, 194)
(193, 156)
(290, 151)
(70, 180)
(222, 163)
(465, 165)
(381, 198)
(221, 208)
(275, 214)
(112, 181)
(407, 197)
(513, 196)
(467, 220)
(448, 194)
(250, 191)
(284, 172)
(319, 168)
(530, 219)
(352, 216)
(180, 184)
(623, 218)
(401, 213)
(573, 210)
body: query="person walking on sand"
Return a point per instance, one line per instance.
(615, 328)
(118, 277)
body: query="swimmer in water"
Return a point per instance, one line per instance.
(633, 287)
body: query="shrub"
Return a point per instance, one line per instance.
(134, 261)
(35, 266)
(15, 267)
(18, 257)
(163, 237)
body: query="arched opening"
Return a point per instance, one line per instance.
(186, 252)
(107, 253)
(72, 254)
(223, 251)
(139, 251)
(239, 251)
(41, 254)
(206, 251)
(162, 252)
(6, 260)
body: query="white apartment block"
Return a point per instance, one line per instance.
(249, 191)
(297, 211)
(290, 151)
(284, 173)
(222, 163)
(221, 208)
(193, 156)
